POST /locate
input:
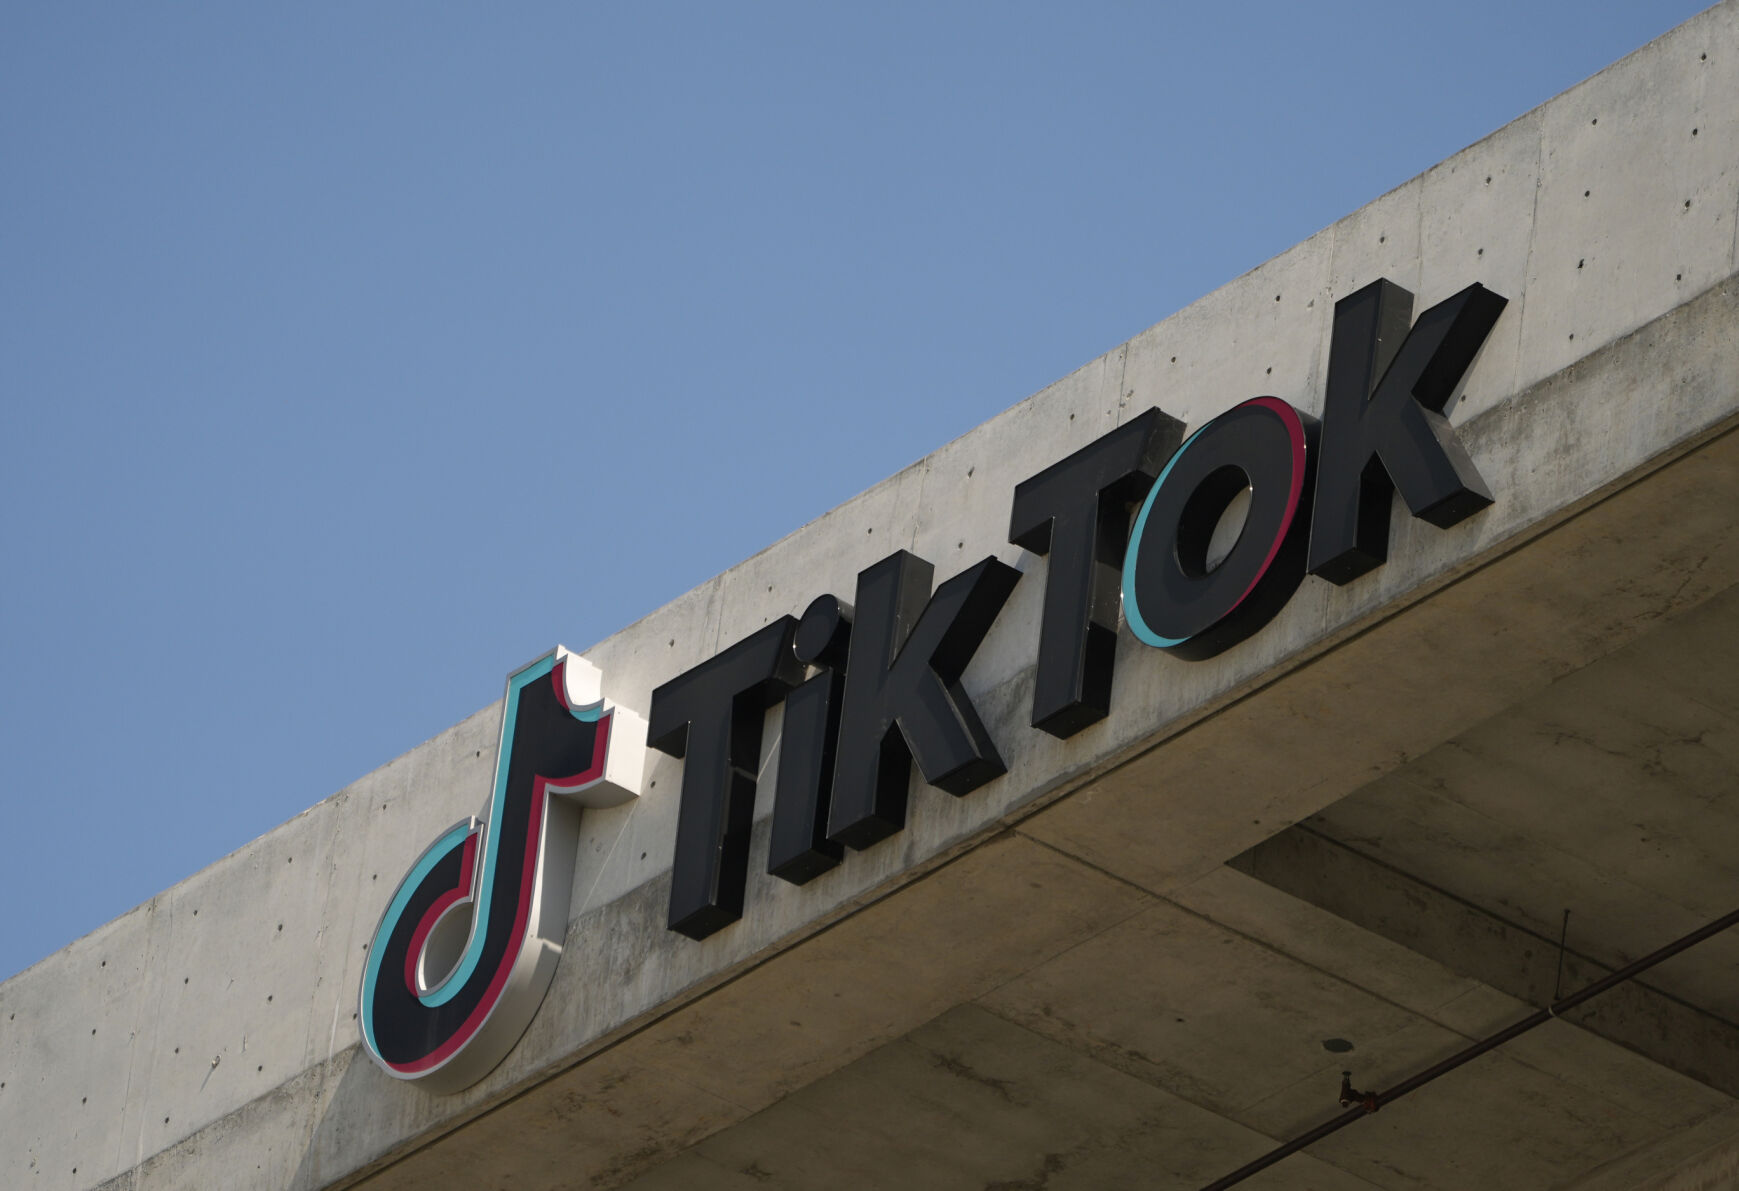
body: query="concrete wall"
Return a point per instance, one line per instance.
(208, 1038)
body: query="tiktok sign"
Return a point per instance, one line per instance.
(1137, 529)
(872, 686)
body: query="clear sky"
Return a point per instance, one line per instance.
(352, 355)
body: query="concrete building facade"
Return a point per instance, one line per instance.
(1145, 954)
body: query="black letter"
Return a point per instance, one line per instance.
(1077, 511)
(1388, 433)
(713, 713)
(903, 698)
(1173, 597)
(799, 850)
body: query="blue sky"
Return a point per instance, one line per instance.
(351, 355)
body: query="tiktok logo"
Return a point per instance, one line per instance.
(469, 942)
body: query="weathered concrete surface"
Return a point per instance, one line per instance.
(1614, 359)
(1173, 1046)
(1041, 1115)
(1712, 1170)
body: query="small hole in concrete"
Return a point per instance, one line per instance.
(1270, 371)
(268, 998)
(1382, 239)
(1693, 132)
(374, 876)
(1580, 263)
(960, 545)
(104, 964)
(1572, 334)
(1481, 252)
(673, 640)
(1703, 57)
(289, 860)
(184, 980)
(1586, 193)
(643, 856)
(1678, 276)
(1277, 297)
(1488, 179)
(84, 1099)
(1174, 359)
(1687, 204)
(1071, 417)
(165, 1120)
(1596, 120)
(870, 530)
(261, 1067)
(93, 1031)
(280, 926)
(196, 913)
(177, 1050)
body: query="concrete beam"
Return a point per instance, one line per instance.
(1473, 942)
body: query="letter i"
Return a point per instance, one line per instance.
(800, 850)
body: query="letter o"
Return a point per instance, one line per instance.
(1172, 599)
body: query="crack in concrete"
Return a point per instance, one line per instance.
(960, 1068)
